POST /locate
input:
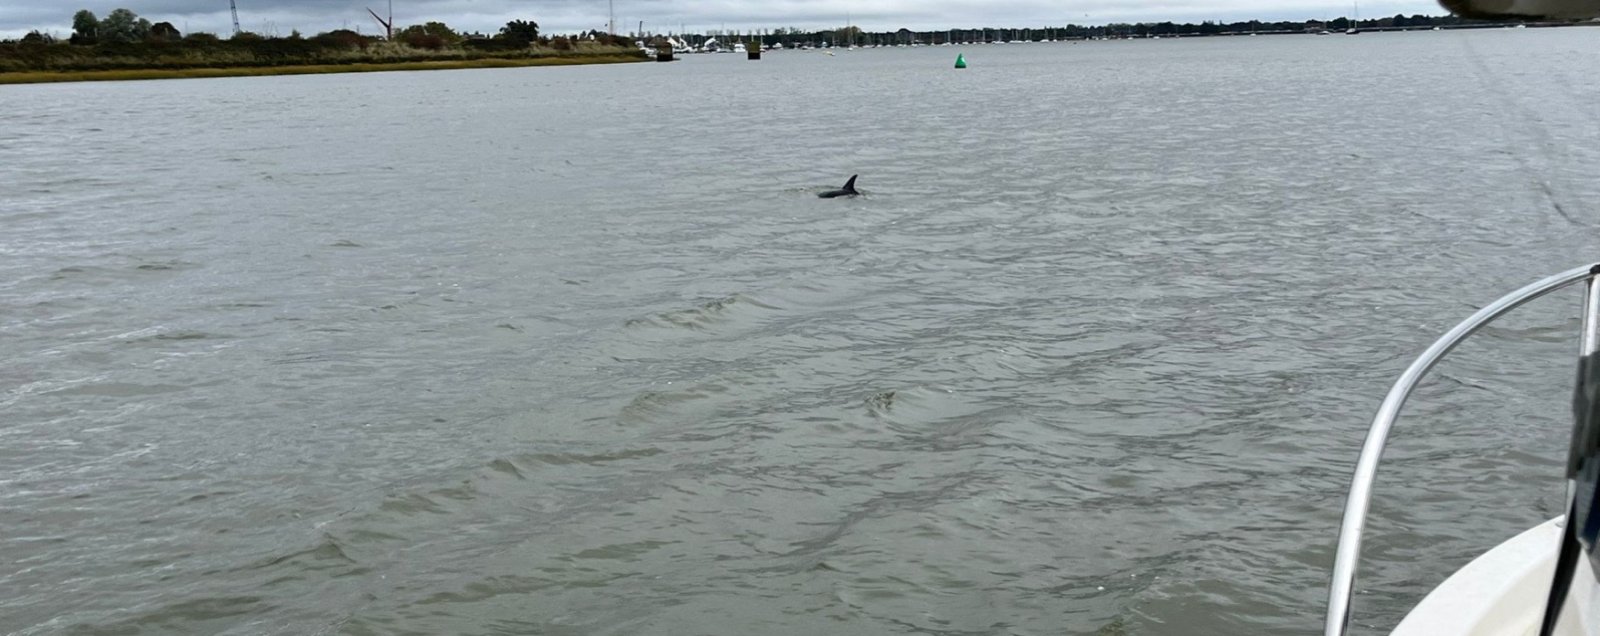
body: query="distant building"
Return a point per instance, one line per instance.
(1313, 26)
(904, 36)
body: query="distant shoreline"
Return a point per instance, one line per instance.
(43, 77)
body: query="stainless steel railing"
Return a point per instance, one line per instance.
(1355, 509)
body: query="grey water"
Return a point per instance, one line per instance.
(578, 351)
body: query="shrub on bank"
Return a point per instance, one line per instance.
(425, 41)
(343, 38)
(493, 45)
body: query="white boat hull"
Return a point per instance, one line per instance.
(1503, 593)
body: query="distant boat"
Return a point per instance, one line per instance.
(1355, 22)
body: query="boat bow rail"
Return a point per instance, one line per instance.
(1347, 557)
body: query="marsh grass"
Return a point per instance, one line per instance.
(39, 77)
(64, 63)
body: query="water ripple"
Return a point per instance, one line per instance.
(513, 356)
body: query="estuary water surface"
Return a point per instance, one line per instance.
(577, 351)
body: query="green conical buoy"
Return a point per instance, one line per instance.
(961, 61)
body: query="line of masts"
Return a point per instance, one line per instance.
(852, 35)
(849, 32)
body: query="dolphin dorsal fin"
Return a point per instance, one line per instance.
(850, 186)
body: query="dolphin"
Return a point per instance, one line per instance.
(849, 189)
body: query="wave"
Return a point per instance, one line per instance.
(708, 315)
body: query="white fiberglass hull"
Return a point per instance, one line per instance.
(1503, 593)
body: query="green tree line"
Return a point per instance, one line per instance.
(123, 40)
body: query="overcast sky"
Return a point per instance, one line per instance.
(17, 17)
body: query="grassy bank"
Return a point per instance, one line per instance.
(201, 55)
(37, 77)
